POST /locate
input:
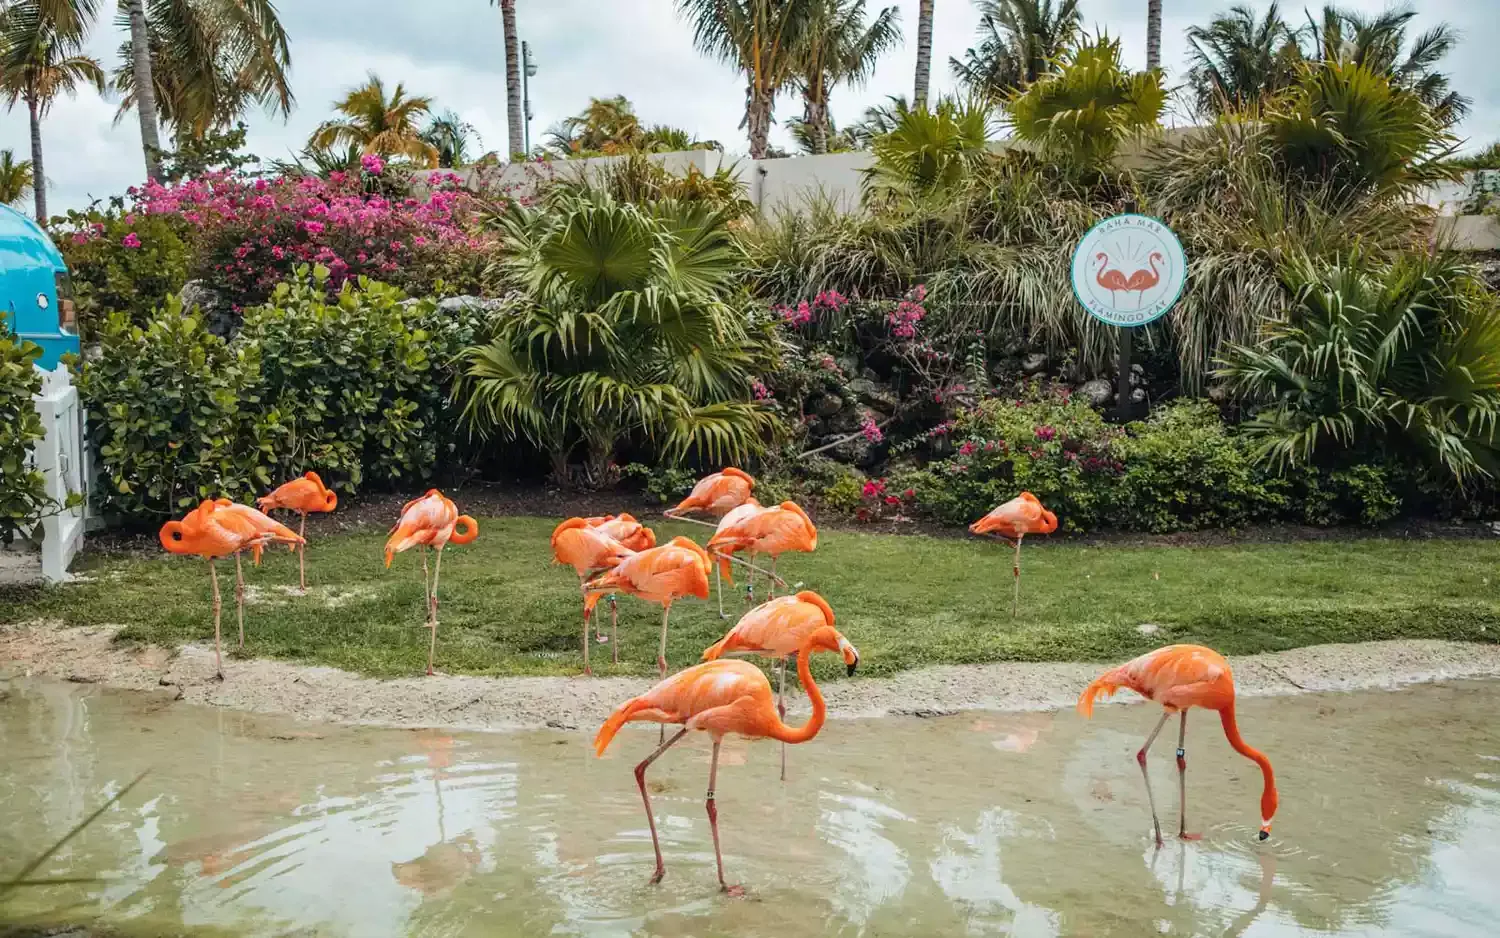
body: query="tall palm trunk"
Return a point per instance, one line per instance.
(924, 55)
(758, 120)
(145, 89)
(512, 79)
(1153, 34)
(38, 174)
(815, 117)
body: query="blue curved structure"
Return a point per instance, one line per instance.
(36, 297)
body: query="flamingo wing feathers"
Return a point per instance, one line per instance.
(695, 691)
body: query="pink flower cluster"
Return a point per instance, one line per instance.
(372, 164)
(131, 240)
(910, 311)
(802, 313)
(870, 430)
(759, 390)
(1045, 434)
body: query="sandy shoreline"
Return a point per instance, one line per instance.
(89, 655)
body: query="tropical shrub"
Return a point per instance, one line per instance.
(122, 262)
(1376, 359)
(928, 153)
(23, 499)
(662, 485)
(621, 330)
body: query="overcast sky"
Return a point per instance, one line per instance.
(453, 51)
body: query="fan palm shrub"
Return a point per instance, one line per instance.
(1374, 357)
(622, 329)
(928, 153)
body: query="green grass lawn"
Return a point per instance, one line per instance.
(905, 601)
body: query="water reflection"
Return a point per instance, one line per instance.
(1028, 824)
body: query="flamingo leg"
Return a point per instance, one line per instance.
(750, 583)
(587, 671)
(1015, 602)
(781, 710)
(239, 596)
(713, 820)
(302, 553)
(218, 658)
(771, 582)
(640, 781)
(661, 652)
(614, 630)
(437, 568)
(1182, 830)
(599, 636)
(719, 585)
(1140, 757)
(426, 584)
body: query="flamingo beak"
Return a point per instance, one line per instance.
(853, 665)
(1265, 832)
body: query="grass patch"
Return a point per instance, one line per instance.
(905, 601)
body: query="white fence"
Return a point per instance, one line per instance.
(63, 458)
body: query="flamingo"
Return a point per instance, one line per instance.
(211, 532)
(304, 495)
(777, 629)
(771, 531)
(1012, 521)
(1180, 677)
(732, 517)
(262, 529)
(721, 697)
(716, 494)
(1111, 280)
(1143, 280)
(660, 575)
(625, 529)
(589, 551)
(430, 521)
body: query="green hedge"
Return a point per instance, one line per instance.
(23, 499)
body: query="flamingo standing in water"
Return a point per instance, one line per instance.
(1111, 280)
(716, 494)
(304, 495)
(1012, 521)
(430, 521)
(771, 531)
(589, 551)
(721, 697)
(211, 532)
(777, 629)
(1180, 677)
(660, 575)
(1143, 280)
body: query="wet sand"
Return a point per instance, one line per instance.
(90, 656)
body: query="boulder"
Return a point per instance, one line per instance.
(1098, 392)
(825, 405)
(218, 316)
(1035, 363)
(872, 395)
(1138, 396)
(454, 305)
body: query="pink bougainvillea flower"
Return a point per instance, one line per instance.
(131, 240)
(372, 164)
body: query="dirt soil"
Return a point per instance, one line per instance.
(91, 656)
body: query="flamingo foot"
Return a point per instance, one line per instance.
(733, 892)
(656, 877)
(218, 675)
(1184, 835)
(602, 639)
(661, 664)
(588, 672)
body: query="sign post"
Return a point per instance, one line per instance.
(1128, 272)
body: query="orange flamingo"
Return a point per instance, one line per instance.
(777, 629)
(720, 697)
(1143, 280)
(430, 521)
(262, 530)
(732, 517)
(1012, 521)
(304, 495)
(210, 532)
(1180, 677)
(716, 494)
(771, 531)
(625, 529)
(660, 575)
(1111, 280)
(589, 551)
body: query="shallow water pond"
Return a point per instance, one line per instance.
(976, 824)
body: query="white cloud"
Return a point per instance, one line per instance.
(453, 50)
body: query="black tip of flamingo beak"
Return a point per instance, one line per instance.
(1265, 835)
(853, 666)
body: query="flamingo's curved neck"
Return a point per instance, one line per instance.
(1103, 263)
(1268, 797)
(819, 710)
(1152, 262)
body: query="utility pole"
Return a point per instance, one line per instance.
(528, 69)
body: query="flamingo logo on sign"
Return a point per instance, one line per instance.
(1129, 270)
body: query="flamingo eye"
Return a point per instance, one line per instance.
(176, 535)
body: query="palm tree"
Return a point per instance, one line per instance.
(1378, 43)
(208, 61)
(16, 181)
(760, 38)
(620, 330)
(839, 46)
(928, 152)
(924, 54)
(512, 77)
(1238, 60)
(41, 56)
(880, 119)
(1018, 42)
(1153, 35)
(145, 97)
(450, 135)
(377, 124)
(607, 125)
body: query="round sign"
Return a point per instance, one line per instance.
(1129, 270)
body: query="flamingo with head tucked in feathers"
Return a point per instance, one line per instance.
(777, 629)
(1012, 521)
(718, 698)
(1180, 677)
(773, 531)
(304, 495)
(625, 529)
(589, 551)
(717, 493)
(430, 521)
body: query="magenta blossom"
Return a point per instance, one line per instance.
(1045, 434)
(758, 389)
(131, 240)
(372, 164)
(871, 432)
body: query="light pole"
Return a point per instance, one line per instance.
(528, 69)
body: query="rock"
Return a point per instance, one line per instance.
(1138, 396)
(1035, 363)
(825, 405)
(217, 315)
(848, 364)
(874, 396)
(1098, 392)
(1218, 394)
(869, 375)
(455, 305)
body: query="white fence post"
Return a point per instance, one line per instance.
(60, 457)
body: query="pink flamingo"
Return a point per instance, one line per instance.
(1143, 280)
(1111, 280)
